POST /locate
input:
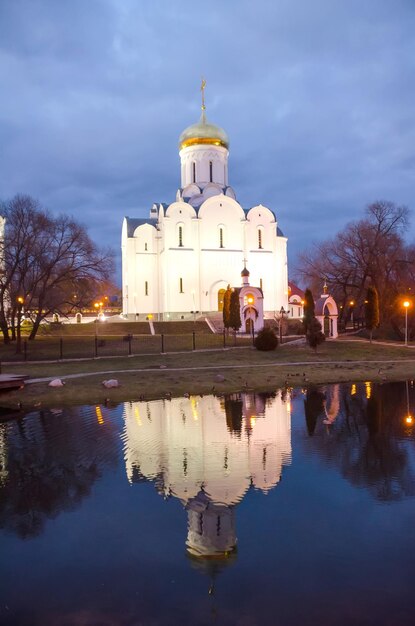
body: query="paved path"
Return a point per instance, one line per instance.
(392, 344)
(163, 370)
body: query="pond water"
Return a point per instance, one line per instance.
(290, 508)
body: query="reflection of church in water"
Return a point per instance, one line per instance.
(208, 452)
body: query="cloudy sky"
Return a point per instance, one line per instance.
(317, 96)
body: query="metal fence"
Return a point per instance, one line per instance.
(61, 348)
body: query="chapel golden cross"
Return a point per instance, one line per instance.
(202, 89)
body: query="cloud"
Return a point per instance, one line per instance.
(317, 99)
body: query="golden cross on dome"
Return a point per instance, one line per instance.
(202, 89)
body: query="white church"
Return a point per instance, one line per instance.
(180, 261)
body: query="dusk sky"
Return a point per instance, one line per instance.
(317, 97)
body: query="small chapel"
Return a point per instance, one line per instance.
(179, 261)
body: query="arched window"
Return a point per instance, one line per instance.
(193, 172)
(221, 234)
(211, 171)
(260, 238)
(180, 230)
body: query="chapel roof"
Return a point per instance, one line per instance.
(320, 304)
(134, 222)
(294, 290)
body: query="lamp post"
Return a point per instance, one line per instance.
(406, 305)
(282, 313)
(20, 301)
(98, 309)
(351, 311)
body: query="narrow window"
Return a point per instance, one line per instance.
(145, 247)
(181, 285)
(180, 236)
(211, 171)
(260, 239)
(146, 288)
(193, 172)
(220, 237)
(260, 283)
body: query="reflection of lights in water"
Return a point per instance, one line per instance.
(137, 415)
(368, 386)
(98, 413)
(353, 390)
(253, 421)
(193, 403)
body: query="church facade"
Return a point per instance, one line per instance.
(180, 261)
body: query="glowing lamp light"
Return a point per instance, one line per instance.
(406, 304)
(351, 302)
(20, 300)
(409, 420)
(250, 300)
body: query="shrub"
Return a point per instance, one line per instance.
(314, 335)
(266, 339)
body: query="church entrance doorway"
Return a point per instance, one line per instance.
(327, 326)
(248, 326)
(221, 296)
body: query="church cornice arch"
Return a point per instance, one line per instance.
(223, 202)
(180, 210)
(262, 212)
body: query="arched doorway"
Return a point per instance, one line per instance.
(221, 296)
(248, 325)
(327, 328)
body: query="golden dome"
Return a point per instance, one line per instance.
(203, 133)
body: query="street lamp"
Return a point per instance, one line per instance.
(351, 303)
(406, 305)
(20, 302)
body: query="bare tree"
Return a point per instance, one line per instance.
(370, 251)
(45, 260)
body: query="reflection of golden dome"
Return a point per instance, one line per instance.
(203, 133)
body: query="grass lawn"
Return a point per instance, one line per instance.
(156, 376)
